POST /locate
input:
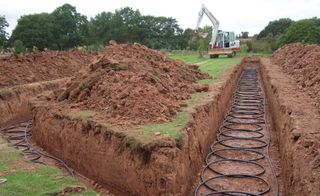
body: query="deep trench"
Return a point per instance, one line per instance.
(240, 161)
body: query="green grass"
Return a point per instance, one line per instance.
(7, 157)
(25, 179)
(40, 181)
(214, 67)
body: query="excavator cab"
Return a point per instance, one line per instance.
(222, 42)
(226, 40)
(226, 44)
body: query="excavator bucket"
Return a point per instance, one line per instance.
(202, 34)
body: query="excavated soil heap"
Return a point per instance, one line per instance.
(41, 66)
(303, 63)
(130, 84)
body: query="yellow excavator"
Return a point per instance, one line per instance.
(222, 42)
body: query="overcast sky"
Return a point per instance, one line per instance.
(234, 15)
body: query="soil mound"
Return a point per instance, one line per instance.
(132, 84)
(41, 66)
(303, 63)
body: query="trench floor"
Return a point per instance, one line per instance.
(244, 159)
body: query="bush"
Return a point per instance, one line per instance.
(264, 45)
(304, 31)
(19, 47)
(275, 28)
(249, 46)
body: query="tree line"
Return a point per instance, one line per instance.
(66, 28)
(284, 31)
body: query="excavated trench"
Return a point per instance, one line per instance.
(239, 162)
(235, 147)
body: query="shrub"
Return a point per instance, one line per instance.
(19, 47)
(304, 31)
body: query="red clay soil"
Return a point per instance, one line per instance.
(41, 66)
(131, 84)
(297, 127)
(302, 62)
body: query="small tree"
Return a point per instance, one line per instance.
(3, 33)
(201, 47)
(19, 47)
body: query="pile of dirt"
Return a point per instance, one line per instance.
(41, 66)
(303, 63)
(132, 84)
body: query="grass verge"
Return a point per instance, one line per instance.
(25, 179)
(146, 133)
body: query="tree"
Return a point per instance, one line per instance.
(100, 28)
(275, 28)
(244, 34)
(34, 30)
(160, 32)
(130, 24)
(169, 31)
(125, 25)
(70, 27)
(65, 28)
(208, 30)
(304, 31)
(185, 37)
(195, 42)
(201, 47)
(3, 33)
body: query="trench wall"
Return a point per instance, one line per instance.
(14, 100)
(292, 122)
(161, 168)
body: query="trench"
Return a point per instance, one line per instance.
(20, 136)
(241, 159)
(240, 162)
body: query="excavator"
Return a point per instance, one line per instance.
(222, 42)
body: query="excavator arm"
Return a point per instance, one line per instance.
(215, 23)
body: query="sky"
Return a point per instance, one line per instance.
(233, 15)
